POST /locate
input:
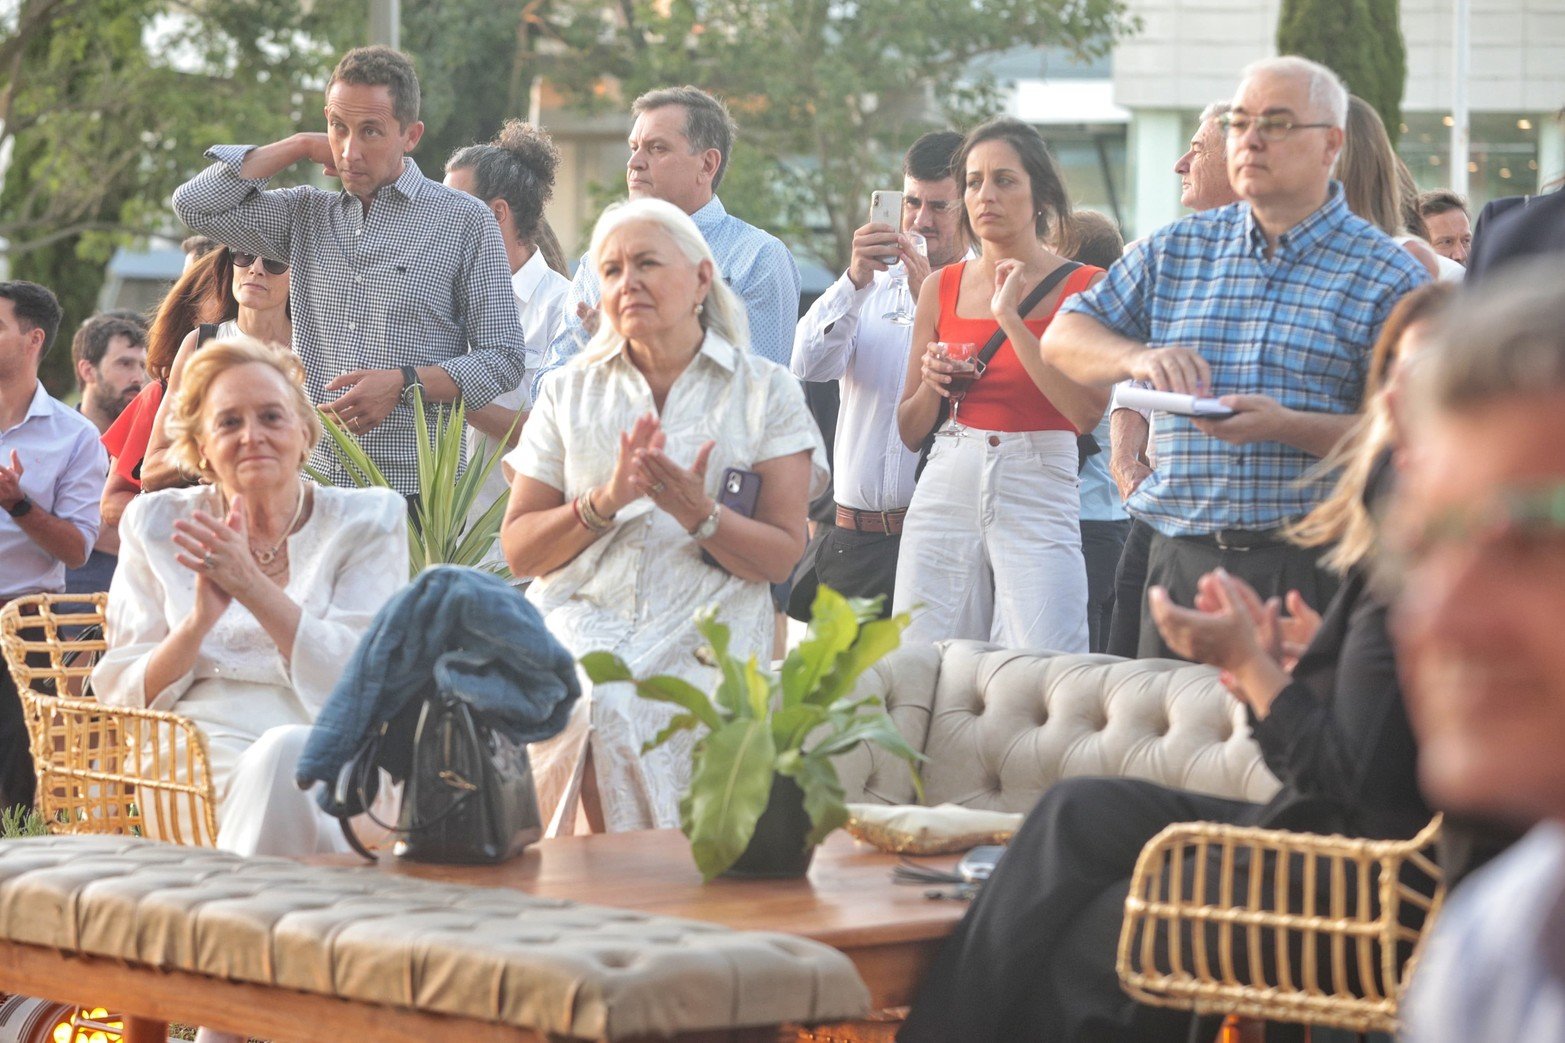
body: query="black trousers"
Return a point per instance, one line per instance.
(854, 564)
(17, 783)
(1130, 584)
(1102, 544)
(1272, 569)
(1033, 959)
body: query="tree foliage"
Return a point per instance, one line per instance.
(828, 93)
(1360, 40)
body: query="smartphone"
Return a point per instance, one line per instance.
(886, 208)
(979, 863)
(740, 492)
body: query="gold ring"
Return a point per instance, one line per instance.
(207, 561)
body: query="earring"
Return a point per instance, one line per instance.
(700, 307)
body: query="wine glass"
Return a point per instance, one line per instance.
(901, 312)
(962, 352)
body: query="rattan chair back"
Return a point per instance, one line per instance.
(100, 769)
(1326, 932)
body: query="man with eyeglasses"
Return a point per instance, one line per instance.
(1478, 541)
(1272, 304)
(399, 283)
(847, 336)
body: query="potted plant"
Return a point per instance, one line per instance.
(439, 533)
(763, 789)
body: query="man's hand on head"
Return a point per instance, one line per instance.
(1257, 418)
(371, 396)
(316, 148)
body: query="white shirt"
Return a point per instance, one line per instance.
(844, 337)
(540, 304)
(63, 468)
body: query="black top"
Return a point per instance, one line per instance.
(1535, 226)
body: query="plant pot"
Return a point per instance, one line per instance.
(779, 849)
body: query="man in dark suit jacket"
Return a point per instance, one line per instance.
(1516, 227)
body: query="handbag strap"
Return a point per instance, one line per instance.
(992, 345)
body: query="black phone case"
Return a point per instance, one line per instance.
(740, 492)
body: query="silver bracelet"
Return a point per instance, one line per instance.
(708, 526)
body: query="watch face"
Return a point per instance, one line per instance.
(21, 507)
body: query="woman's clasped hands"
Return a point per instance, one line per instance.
(644, 468)
(217, 550)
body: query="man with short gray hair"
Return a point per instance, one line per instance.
(1273, 304)
(679, 150)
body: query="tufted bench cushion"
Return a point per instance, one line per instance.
(491, 954)
(1000, 726)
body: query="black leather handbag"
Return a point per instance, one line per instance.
(468, 796)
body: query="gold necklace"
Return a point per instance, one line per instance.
(266, 557)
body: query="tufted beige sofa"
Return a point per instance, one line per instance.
(999, 726)
(562, 970)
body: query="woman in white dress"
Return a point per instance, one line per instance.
(615, 497)
(237, 603)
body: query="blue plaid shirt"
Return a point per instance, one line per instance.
(754, 263)
(421, 280)
(1298, 326)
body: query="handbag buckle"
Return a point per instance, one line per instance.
(455, 781)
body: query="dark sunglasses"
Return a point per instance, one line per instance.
(242, 260)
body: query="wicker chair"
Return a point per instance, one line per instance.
(1267, 952)
(101, 769)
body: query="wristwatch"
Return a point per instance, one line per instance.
(25, 504)
(409, 382)
(708, 527)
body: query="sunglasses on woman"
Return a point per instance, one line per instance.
(243, 260)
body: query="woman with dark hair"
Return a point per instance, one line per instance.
(203, 293)
(258, 287)
(991, 548)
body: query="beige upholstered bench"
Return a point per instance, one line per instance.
(108, 905)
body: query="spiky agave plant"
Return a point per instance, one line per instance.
(440, 533)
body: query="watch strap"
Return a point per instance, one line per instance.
(20, 507)
(410, 381)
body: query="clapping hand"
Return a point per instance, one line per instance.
(679, 491)
(11, 482)
(217, 550)
(623, 488)
(590, 317)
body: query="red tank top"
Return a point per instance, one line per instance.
(1005, 398)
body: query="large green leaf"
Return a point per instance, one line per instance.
(791, 725)
(732, 689)
(729, 789)
(875, 641)
(833, 627)
(823, 794)
(606, 668)
(682, 722)
(876, 728)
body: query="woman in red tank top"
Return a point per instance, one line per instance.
(991, 547)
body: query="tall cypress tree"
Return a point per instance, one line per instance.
(1360, 40)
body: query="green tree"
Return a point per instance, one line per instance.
(828, 93)
(109, 104)
(1360, 40)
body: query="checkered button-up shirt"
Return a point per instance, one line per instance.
(754, 263)
(419, 280)
(1297, 326)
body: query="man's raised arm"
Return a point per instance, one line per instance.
(226, 201)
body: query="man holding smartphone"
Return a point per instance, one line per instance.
(847, 337)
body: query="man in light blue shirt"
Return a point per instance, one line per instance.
(679, 148)
(52, 468)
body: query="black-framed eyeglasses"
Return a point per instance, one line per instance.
(244, 260)
(1270, 128)
(940, 207)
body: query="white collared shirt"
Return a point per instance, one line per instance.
(540, 304)
(63, 468)
(845, 337)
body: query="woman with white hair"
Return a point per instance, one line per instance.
(615, 499)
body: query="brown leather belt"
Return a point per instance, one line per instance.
(889, 522)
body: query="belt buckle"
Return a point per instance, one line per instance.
(1224, 545)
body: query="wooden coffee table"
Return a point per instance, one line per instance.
(890, 931)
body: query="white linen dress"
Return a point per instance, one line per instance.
(345, 562)
(636, 590)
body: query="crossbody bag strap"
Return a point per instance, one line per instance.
(1031, 301)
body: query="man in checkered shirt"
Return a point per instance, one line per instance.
(1272, 303)
(398, 281)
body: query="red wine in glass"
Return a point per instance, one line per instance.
(962, 352)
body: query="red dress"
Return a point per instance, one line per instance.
(127, 438)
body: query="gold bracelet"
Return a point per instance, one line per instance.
(594, 522)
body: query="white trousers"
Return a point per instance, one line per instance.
(991, 548)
